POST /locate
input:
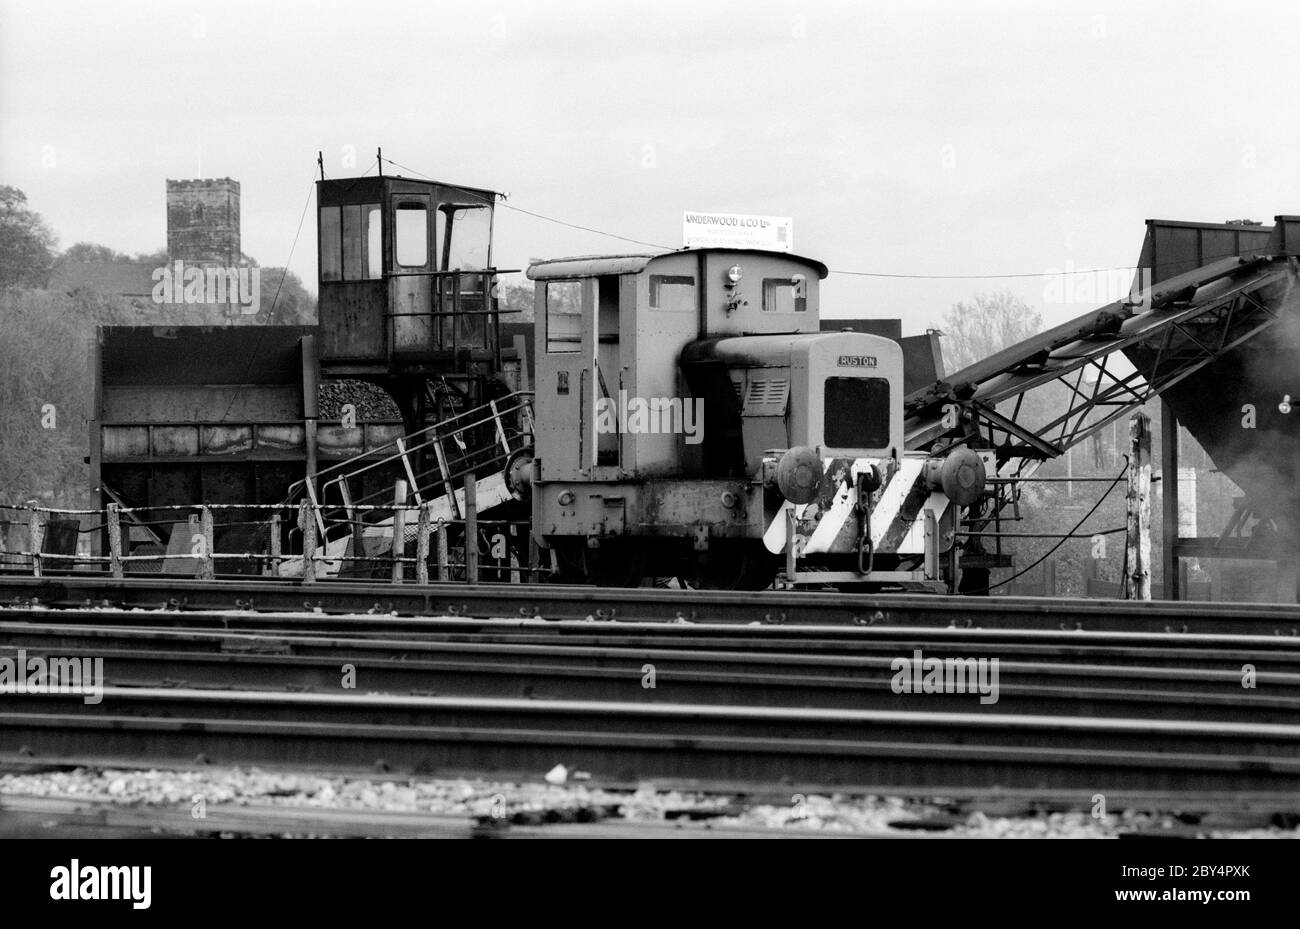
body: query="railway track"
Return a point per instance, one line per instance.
(1100, 680)
(554, 602)
(1111, 700)
(811, 748)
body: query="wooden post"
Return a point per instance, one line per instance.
(1138, 539)
(442, 551)
(207, 570)
(471, 529)
(307, 523)
(34, 540)
(114, 520)
(422, 546)
(275, 544)
(399, 531)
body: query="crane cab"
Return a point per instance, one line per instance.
(407, 286)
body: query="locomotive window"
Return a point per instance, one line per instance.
(331, 255)
(373, 241)
(784, 294)
(563, 316)
(411, 225)
(856, 412)
(467, 235)
(352, 240)
(672, 292)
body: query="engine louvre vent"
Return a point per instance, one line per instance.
(766, 396)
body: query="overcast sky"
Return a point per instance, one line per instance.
(903, 138)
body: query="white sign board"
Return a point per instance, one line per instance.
(737, 230)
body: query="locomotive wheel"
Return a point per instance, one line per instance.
(735, 565)
(614, 564)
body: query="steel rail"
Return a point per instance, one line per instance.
(817, 748)
(90, 628)
(556, 602)
(722, 679)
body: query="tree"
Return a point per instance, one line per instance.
(294, 306)
(90, 252)
(26, 243)
(986, 324)
(157, 258)
(517, 300)
(44, 373)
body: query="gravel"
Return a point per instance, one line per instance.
(482, 798)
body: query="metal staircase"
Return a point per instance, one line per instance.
(353, 500)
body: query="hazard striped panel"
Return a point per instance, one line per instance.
(830, 523)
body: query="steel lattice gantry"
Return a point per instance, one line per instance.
(1206, 301)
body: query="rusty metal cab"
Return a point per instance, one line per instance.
(406, 279)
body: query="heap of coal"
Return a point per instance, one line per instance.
(372, 403)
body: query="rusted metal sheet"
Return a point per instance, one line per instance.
(339, 441)
(281, 436)
(197, 403)
(174, 441)
(352, 321)
(125, 442)
(168, 356)
(226, 440)
(378, 434)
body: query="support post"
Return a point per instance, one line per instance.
(114, 521)
(275, 544)
(931, 525)
(310, 408)
(471, 529)
(34, 539)
(399, 531)
(442, 550)
(307, 523)
(207, 568)
(422, 546)
(791, 554)
(1173, 588)
(1138, 539)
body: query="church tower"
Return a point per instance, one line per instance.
(203, 222)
